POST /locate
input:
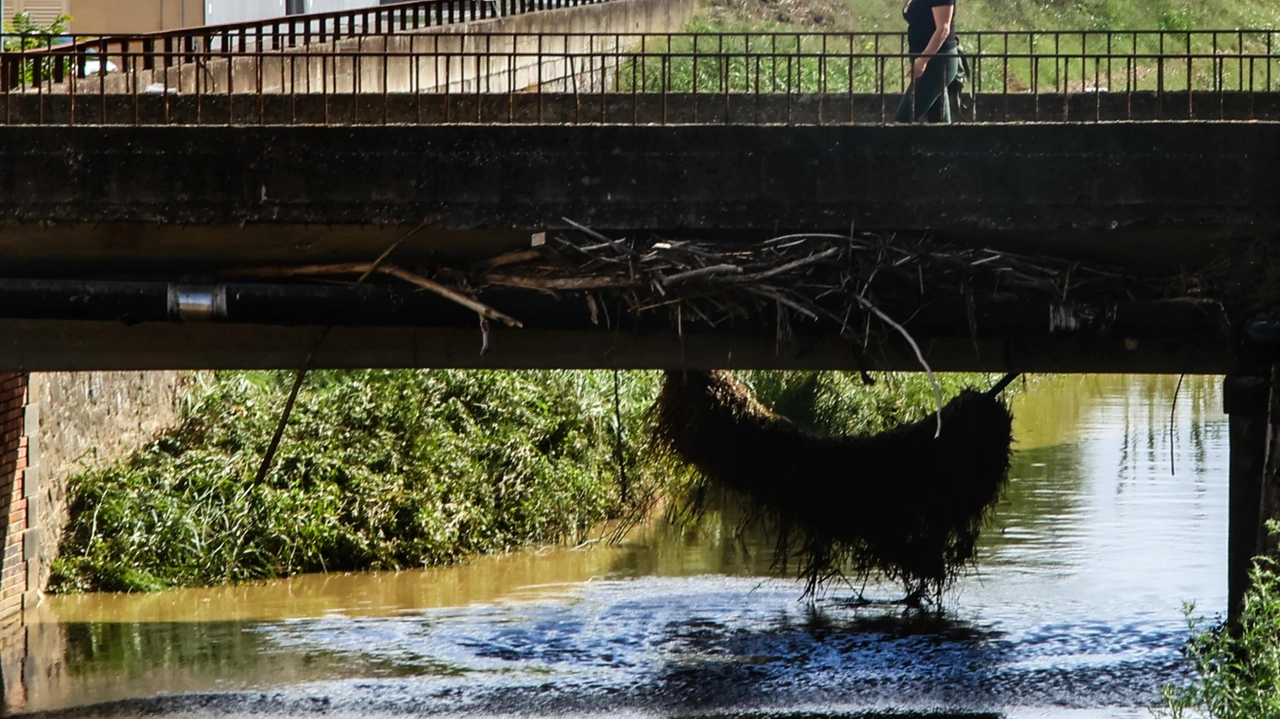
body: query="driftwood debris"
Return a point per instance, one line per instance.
(844, 281)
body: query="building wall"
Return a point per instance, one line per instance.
(220, 12)
(96, 17)
(336, 5)
(43, 12)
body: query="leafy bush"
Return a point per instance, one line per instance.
(1238, 665)
(23, 34)
(377, 470)
(27, 35)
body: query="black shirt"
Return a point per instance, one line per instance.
(920, 25)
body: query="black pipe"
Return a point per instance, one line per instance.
(383, 305)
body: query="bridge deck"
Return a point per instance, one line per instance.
(295, 156)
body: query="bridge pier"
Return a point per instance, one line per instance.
(1247, 401)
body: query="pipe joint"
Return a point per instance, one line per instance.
(197, 303)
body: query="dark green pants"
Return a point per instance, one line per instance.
(928, 94)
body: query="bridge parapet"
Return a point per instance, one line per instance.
(389, 49)
(648, 76)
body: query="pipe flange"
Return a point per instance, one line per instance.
(197, 303)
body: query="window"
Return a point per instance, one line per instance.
(295, 7)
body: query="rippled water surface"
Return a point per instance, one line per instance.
(1112, 521)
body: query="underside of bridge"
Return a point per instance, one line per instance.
(107, 226)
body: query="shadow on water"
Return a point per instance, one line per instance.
(820, 653)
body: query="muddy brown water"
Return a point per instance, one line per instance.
(1074, 610)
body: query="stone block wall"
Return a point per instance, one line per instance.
(83, 420)
(53, 426)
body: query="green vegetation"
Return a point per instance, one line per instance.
(753, 59)
(843, 403)
(385, 470)
(972, 15)
(1238, 665)
(27, 35)
(377, 470)
(23, 34)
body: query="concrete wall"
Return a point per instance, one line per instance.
(446, 57)
(83, 420)
(588, 106)
(52, 426)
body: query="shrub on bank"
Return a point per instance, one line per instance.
(1238, 666)
(377, 470)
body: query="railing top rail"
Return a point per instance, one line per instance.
(709, 54)
(272, 24)
(293, 26)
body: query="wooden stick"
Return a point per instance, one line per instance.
(387, 253)
(518, 257)
(564, 283)
(479, 308)
(267, 458)
(701, 272)
(343, 268)
(933, 380)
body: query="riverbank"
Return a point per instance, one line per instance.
(387, 470)
(1074, 612)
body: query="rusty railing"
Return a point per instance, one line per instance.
(817, 78)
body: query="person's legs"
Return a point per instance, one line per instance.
(941, 110)
(929, 92)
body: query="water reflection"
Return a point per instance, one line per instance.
(1111, 521)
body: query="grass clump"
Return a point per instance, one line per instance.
(377, 470)
(848, 403)
(1238, 666)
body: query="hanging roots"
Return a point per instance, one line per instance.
(902, 504)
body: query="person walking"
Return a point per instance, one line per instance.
(935, 60)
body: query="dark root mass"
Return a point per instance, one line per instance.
(902, 504)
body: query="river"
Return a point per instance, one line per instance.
(1112, 521)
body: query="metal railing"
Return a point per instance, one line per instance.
(48, 57)
(677, 77)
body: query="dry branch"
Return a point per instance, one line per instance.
(819, 278)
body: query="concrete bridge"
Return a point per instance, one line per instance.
(128, 198)
(1143, 150)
